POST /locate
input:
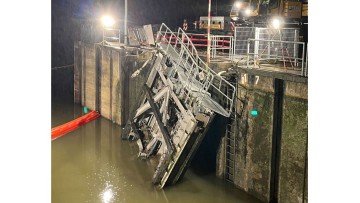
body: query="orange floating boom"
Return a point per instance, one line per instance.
(61, 130)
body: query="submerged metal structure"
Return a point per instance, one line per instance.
(182, 96)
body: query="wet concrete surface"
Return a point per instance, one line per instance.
(92, 164)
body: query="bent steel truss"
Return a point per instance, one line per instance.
(182, 96)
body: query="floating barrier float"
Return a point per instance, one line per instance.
(61, 130)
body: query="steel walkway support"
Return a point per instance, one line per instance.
(182, 97)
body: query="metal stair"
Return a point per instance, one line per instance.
(211, 88)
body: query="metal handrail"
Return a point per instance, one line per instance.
(113, 37)
(213, 73)
(215, 39)
(269, 56)
(188, 57)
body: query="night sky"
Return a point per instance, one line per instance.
(66, 16)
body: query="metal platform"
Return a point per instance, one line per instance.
(182, 96)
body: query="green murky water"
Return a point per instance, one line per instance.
(92, 164)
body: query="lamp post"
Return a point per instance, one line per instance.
(208, 34)
(125, 24)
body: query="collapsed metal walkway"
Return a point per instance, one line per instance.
(182, 96)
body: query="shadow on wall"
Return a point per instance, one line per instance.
(204, 161)
(62, 84)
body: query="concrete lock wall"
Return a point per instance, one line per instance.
(89, 75)
(77, 72)
(293, 161)
(253, 152)
(102, 79)
(259, 169)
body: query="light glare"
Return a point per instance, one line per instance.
(238, 4)
(276, 23)
(247, 11)
(107, 21)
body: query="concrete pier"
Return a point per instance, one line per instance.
(101, 79)
(270, 147)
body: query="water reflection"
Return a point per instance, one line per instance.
(93, 164)
(107, 195)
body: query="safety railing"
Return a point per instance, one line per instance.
(218, 85)
(286, 55)
(241, 35)
(137, 36)
(223, 43)
(111, 35)
(182, 51)
(198, 40)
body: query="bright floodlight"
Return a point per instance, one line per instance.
(107, 21)
(238, 4)
(247, 11)
(276, 23)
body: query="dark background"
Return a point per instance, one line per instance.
(68, 15)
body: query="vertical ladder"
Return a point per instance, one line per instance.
(230, 141)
